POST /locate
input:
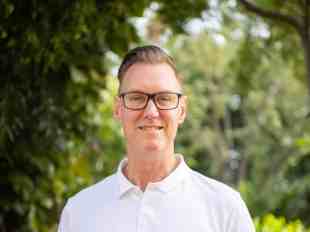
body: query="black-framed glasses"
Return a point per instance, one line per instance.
(138, 100)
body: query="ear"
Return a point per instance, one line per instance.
(117, 108)
(182, 110)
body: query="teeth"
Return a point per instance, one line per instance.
(150, 127)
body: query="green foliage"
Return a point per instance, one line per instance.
(55, 101)
(247, 123)
(171, 11)
(270, 223)
(290, 21)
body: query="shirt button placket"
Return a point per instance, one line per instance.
(141, 216)
(140, 196)
(145, 215)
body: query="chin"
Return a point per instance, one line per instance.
(153, 147)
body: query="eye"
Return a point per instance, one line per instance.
(165, 97)
(135, 97)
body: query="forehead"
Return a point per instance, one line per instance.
(150, 78)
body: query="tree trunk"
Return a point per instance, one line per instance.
(306, 46)
(305, 40)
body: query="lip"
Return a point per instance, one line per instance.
(150, 127)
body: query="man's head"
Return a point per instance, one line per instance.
(150, 105)
(146, 55)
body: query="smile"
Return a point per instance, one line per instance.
(150, 127)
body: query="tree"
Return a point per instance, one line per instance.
(246, 123)
(295, 14)
(45, 105)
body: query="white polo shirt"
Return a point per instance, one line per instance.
(184, 201)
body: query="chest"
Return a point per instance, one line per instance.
(151, 212)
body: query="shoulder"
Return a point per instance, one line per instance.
(225, 203)
(104, 190)
(215, 191)
(80, 208)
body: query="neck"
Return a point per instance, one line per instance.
(143, 171)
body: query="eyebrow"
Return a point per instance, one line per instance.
(162, 90)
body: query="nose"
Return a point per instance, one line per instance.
(151, 109)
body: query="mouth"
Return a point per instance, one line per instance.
(143, 128)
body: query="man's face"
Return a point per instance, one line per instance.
(150, 129)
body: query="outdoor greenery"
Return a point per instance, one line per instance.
(245, 77)
(270, 223)
(243, 134)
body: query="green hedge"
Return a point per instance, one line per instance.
(270, 223)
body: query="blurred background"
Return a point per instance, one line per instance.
(246, 68)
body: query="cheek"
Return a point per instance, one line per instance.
(171, 121)
(128, 120)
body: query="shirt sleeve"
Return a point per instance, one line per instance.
(64, 223)
(240, 219)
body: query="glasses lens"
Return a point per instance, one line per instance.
(167, 100)
(135, 100)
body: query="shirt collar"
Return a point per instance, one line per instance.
(167, 184)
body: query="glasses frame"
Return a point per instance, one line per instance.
(150, 96)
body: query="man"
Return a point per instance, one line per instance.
(153, 190)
